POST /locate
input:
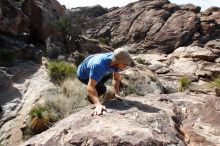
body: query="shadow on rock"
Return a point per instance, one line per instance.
(127, 104)
(13, 79)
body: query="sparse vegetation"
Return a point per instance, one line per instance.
(184, 82)
(74, 92)
(129, 89)
(40, 119)
(154, 79)
(60, 70)
(65, 26)
(140, 61)
(7, 57)
(71, 34)
(215, 83)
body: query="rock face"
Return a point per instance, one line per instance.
(157, 26)
(140, 80)
(87, 12)
(195, 62)
(25, 82)
(188, 45)
(22, 48)
(12, 20)
(149, 120)
(42, 13)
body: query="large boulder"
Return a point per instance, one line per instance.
(196, 52)
(157, 26)
(42, 14)
(210, 24)
(152, 26)
(175, 119)
(140, 80)
(87, 12)
(12, 20)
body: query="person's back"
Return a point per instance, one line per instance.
(95, 67)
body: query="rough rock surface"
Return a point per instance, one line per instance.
(23, 49)
(140, 80)
(12, 20)
(42, 13)
(184, 61)
(27, 80)
(157, 26)
(149, 120)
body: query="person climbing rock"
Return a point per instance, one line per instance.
(96, 69)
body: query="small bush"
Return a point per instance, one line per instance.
(74, 92)
(73, 88)
(40, 119)
(215, 83)
(68, 29)
(128, 90)
(153, 78)
(7, 57)
(184, 82)
(140, 61)
(60, 70)
(65, 26)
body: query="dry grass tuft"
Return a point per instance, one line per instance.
(74, 92)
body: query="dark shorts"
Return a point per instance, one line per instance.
(100, 86)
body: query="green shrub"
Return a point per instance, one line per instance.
(7, 57)
(65, 26)
(184, 82)
(60, 70)
(131, 89)
(128, 89)
(153, 78)
(40, 119)
(215, 83)
(140, 60)
(70, 32)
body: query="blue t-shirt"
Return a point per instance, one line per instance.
(96, 66)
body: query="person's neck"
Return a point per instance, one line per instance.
(112, 63)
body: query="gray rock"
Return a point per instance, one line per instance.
(12, 20)
(152, 120)
(195, 52)
(140, 80)
(42, 14)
